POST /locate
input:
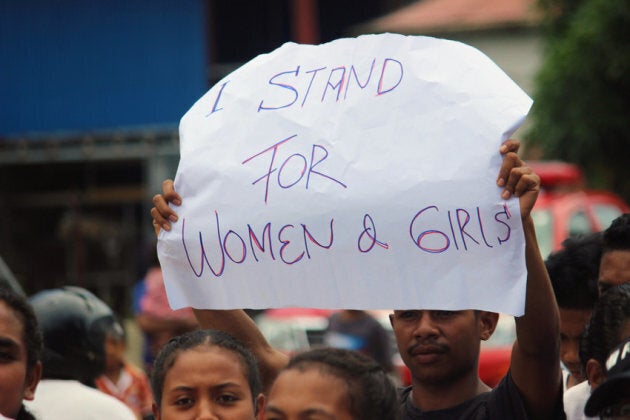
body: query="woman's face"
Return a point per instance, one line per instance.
(308, 394)
(17, 382)
(206, 382)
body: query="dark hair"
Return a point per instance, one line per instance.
(574, 270)
(31, 334)
(603, 331)
(371, 394)
(168, 354)
(617, 236)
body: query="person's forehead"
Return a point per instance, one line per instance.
(399, 311)
(614, 267)
(10, 322)
(617, 259)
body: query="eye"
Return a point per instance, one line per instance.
(227, 399)
(7, 357)
(184, 402)
(443, 314)
(407, 314)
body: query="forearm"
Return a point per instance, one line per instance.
(538, 331)
(535, 362)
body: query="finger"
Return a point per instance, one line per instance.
(518, 181)
(169, 193)
(510, 145)
(529, 181)
(161, 204)
(510, 161)
(159, 222)
(156, 227)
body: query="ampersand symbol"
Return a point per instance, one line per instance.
(369, 235)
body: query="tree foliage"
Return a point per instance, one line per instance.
(581, 112)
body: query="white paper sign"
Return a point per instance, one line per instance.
(355, 174)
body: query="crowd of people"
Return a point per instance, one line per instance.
(63, 349)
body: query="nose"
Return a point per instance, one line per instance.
(425, 327)
(570, 352)
(206, 411)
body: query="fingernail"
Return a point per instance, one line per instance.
(172, 218)
(505, 194)
(166, 227)
(500, 182)
(503, 148)
(177, 202)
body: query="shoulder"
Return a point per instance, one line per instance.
(575, 399)
(51, 402)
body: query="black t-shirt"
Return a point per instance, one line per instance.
(502, 403)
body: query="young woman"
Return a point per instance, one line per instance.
(329, 383)
(20, 351)
(205, 373)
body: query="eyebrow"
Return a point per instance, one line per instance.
(218, 386)
(7, 342)
(304, 413)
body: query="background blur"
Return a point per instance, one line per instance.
(91, 93)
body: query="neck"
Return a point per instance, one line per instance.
(429, 397)
(113, 373)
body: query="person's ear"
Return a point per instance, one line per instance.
(32, 379)
(594, 373)
(487, 322)
(259, 405)
(156, 411)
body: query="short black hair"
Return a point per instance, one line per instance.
(603, 330)
(32, 334)
(371, 394)
(617, 235)
(574, 270)
(168, 354)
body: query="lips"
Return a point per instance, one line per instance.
(427, 353)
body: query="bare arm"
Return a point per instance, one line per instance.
(535, 363)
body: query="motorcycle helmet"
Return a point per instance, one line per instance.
(74, 324)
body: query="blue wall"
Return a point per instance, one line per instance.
(74, 65)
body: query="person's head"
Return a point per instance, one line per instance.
(611, 400)
(609, 325)
(115, 347)
(74, 323)
(332, 383)
(440, 347)
(614, 267)
(205, 372)
(20, 352)
(573, 272)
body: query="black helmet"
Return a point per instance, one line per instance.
(74, 323)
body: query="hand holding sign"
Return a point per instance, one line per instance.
(357, 174)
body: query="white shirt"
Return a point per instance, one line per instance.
(70, 400)
(574, 401)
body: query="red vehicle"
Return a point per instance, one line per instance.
(565, 208)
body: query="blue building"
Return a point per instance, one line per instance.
(91, 93)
